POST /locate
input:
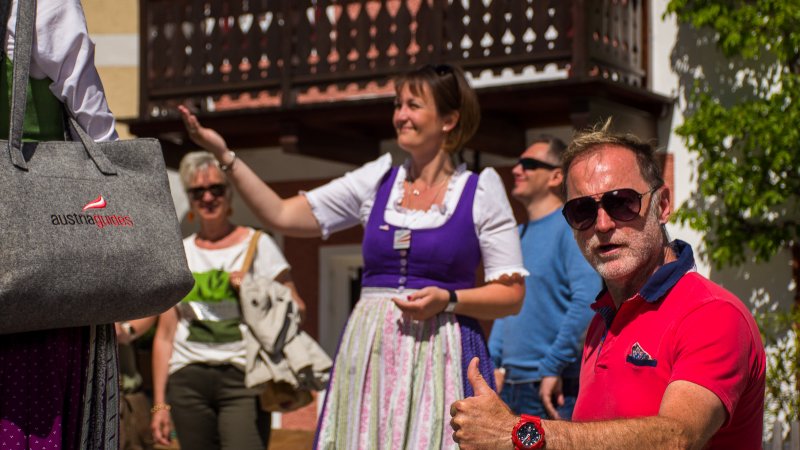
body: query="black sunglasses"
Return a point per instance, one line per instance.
(533, 164)
(442, 69)
(621, 204)
(197, 193)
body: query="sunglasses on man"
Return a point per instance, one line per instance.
(621, 204)
(197, 193)
(533, 164)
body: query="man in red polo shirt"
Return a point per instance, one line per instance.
(671, 359)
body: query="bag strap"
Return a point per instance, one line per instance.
(23, 44)
(251, 252)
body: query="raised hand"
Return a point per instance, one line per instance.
(482, 421)
(206, 138)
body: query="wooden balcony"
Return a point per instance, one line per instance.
(315, 76)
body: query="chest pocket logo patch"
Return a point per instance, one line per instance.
(639, 357)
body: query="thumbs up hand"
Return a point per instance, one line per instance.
(482, 421)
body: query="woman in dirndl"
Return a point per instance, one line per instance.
(428, 225)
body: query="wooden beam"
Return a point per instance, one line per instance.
(345, 145)
(499, 135)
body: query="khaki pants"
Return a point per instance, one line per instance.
(212, 409)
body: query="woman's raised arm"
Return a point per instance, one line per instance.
(292, 216)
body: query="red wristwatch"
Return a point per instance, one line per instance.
(528, 433)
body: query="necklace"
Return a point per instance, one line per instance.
(417, 191)
(220, 239)
(423, 199)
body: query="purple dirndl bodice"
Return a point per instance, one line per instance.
(446, 256)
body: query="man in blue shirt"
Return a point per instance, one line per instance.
(537, 351)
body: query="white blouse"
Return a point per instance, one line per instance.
(63, 52)
(347, 201)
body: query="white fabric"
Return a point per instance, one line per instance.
(63, 52)
(347, 201)
(268, 262)
(277, 349)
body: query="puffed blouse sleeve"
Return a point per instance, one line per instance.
(64, 53)
(496, 229)
(339, 204)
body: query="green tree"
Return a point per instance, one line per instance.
(748, 153)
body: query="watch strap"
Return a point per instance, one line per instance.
(451, 305)
(537, 423)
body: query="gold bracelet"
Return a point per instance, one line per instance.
(160, 407)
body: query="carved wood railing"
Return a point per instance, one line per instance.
(228, 55)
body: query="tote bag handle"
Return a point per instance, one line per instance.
(26, 12)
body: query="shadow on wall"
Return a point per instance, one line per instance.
(696, 59)
(760, 285)
(698, 62)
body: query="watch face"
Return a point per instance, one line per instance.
(528, 435)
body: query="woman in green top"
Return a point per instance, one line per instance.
(198, 351)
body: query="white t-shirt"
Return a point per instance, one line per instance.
(347, 201)
(63, 52)
(268, 262)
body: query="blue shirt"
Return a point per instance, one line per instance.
(545, 338)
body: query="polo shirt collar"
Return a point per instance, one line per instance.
(657, 285)
(668, 275)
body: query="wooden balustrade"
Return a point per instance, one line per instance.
(283, 54)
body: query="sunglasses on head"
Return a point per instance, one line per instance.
(533, 164)
(197, 193)
(442, 69)
(621, 204)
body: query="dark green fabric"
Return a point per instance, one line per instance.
(213, 286)
(214, 332)
(44, 113)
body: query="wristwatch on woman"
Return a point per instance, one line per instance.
(452, 302)
(528, 433)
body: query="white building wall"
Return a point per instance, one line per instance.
(676, 56)
(665, 81)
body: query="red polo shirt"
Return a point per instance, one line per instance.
(680, 326)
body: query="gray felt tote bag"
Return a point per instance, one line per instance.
(89, 230)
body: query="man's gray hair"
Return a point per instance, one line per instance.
(600, 135)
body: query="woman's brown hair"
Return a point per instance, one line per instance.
(452, 93)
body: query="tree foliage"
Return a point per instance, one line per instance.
(748, 155)
(748, 151)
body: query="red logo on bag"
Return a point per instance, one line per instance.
(98, 220)
(98, 203)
